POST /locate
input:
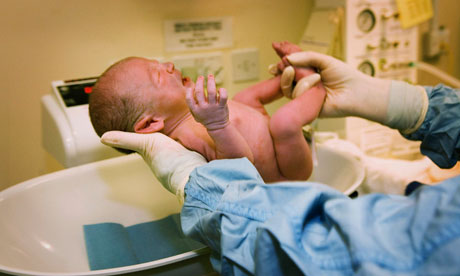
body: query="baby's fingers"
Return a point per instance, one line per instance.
(199, 90)
(190, 99)
(222, 96)
(212, 93)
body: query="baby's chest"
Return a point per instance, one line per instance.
(201, 142)
(255, 130)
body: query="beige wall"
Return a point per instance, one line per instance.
(50, 40)
(47, 40)
(449, 62)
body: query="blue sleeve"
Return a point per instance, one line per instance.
(440, 132)
(298, 228)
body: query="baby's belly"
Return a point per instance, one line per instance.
(254, 127)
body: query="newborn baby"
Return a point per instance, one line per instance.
(145, 96)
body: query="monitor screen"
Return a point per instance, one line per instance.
(76, 94)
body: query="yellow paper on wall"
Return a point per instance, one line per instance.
(413, 12)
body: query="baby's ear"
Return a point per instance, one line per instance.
(148, 124)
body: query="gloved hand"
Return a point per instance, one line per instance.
(210, 111)
(287, 79)
(352, 93)
(169, 161)
(305, 77)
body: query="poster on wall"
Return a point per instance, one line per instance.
(198, 34)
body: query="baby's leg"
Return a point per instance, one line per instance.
(293, 154)
(292, 151)
(260, 94)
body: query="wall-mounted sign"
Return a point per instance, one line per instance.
(198, 34)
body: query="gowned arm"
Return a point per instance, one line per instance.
(440, 130)
(311, 229)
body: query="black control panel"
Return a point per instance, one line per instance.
(76, 94)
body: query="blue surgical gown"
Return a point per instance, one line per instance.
(305, 228)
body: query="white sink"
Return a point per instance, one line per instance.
(337, 169)
(41, 219)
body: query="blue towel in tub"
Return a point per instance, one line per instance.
(111, 245)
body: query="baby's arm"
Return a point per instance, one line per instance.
(212, 113)
(260, 94)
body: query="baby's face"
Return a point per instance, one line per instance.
(167, 86)
(165, 78)
(164, 75)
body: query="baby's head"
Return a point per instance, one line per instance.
(134, 92)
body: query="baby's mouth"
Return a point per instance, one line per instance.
(186, 81)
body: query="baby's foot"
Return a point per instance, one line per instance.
(285, 48)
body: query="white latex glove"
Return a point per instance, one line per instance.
(352, 93)
(211, 111)
(287, 80)
(305, 83)
(169, 161)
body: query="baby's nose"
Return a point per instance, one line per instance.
(169, 67)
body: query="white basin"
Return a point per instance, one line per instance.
(41, 219)
(339, 170)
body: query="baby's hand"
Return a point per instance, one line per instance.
(210, 111)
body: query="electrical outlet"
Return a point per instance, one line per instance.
(245, 64)
(201, 65)
(431, 45)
